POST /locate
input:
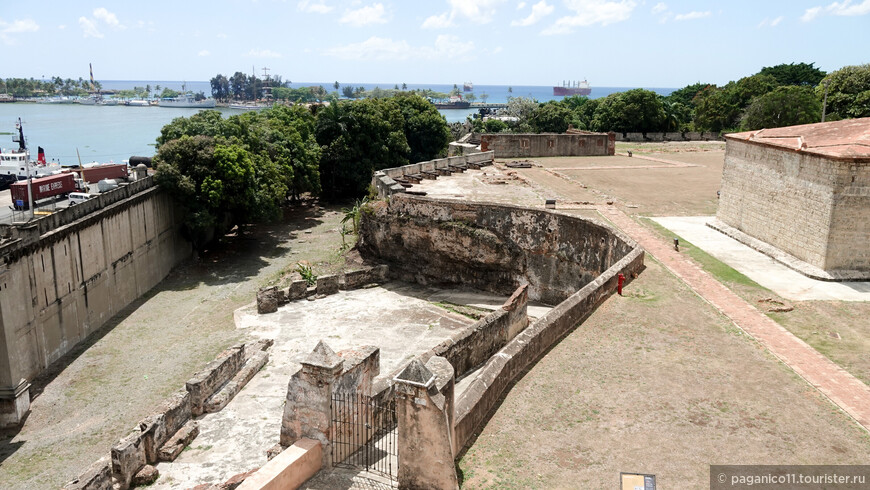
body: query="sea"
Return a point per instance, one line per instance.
(69, 132)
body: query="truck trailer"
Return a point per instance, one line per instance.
(42, 188)
(97, 173)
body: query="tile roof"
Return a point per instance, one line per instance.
(848, 139)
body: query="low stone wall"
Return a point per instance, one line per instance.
(483, 393)
(491, 247)
(288, 470)
(473, 345)
(270, 298)
(519, 145)
(673, 136)
(389, 180)
(163, 435)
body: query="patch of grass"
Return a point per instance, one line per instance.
(718, 269)
(464, 310)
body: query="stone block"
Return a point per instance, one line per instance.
(269, 299)
(146, 476)
(97, 477)
(297, 290)
(327, 284)
(230, 389)
(176, 411)
(216, 373)
(153, 429)
(362, 277)
(178, 441)
(128, 456)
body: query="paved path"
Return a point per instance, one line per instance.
(757, 266)
(842, 388)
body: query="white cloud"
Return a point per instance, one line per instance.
(107, 17)
(221, 35)
(61, 27)
(772, 23)
(845, 8)
(89, 28)
(204, 52)
(521, 5)
(437, 21)
(659, 8)
(589, 12)
(370, 14)
(539, 11)
(317, 7)
(18, 26)
(263, 53)
(479, 11)
(692, 16)
(386, 49)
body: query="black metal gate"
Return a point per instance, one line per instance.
(364, 434)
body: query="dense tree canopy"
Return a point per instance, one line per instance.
(356, 139)
(794, 74)
(425, 128)
(551, 118)
(635, 110)
(237, 170)
(784, 106)
(848, 92)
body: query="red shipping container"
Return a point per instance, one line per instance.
(42, 188)
(92, 175)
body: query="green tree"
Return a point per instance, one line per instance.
(495, 126)
(356, 139)
(848, 92)
(404, 86)
(785, 106)
(336, 85)
(686, 94)
(521, 108)
(348, 92)
(425, 129)
(714, 110)
(794, 74)
(551, 117)
(635, 110)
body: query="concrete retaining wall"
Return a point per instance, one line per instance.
(62, 278)
(672, 136)
(487, 246)
(483, 393)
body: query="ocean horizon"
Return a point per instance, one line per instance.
(115, 133)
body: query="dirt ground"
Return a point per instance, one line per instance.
(655, 382)
(97, 393)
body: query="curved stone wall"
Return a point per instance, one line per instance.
(488, 246)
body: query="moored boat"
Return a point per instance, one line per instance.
(187, 100)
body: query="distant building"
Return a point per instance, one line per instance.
(804, 190)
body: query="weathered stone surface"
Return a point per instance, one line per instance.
(176, 411)
(97, 477)
(274, 451)
(178, 441)
(128, 456)
(231, 388)
(153, 429)
(269, 299)
(146, 476)
(548, 145)
(327, 284)
(216, 373)
(297, 290)
(362, 277)
(492, 247)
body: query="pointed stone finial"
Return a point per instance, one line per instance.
(416, 374)
(323, 357)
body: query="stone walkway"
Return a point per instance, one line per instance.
(840, 387)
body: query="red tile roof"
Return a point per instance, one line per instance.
(848, 139)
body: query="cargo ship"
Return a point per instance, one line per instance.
(572, 88)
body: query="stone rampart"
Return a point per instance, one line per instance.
(811, 207)
(64, 276)
(390, 181)
(492, 247)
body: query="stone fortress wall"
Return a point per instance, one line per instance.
(813, 207)
(581, 143)
(65, 275)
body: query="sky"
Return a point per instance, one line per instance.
(490, 42)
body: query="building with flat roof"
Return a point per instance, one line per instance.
(804, 190)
